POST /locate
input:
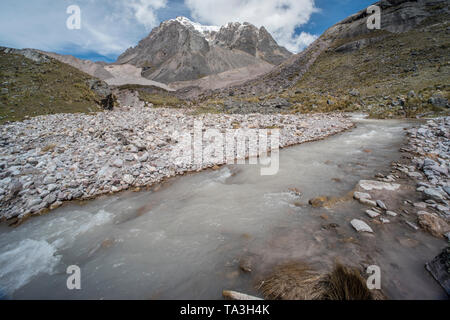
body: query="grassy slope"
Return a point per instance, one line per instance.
(156, 96)
(383, 72)
(38, 88)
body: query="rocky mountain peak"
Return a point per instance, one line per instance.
(180, 49)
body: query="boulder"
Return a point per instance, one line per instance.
(107, 99)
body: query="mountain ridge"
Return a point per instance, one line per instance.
(180, 50)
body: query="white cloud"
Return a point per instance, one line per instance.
(144, 10)
(280, 17)
(108, 27)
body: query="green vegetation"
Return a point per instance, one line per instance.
(384, 73)
(29, 88)
(154, 95)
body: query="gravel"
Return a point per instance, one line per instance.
(50, 159)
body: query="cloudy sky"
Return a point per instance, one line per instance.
(108, 27)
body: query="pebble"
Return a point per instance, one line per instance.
(381, 204)
(391, 213)
(384, 220)
(372, 214)
(361, 195)
(118, 163)
(412, 225)
(368, 202)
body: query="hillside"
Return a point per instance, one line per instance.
(401, 70)
(34, 84)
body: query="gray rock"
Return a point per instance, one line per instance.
(128, 179)
(391, 213)
(361, 195)
(118, 163)
(438, 100)
(446, 189)
(361, 226)
(144, 157)
(372, 213)
(15, 188)
(49, 180)
(381, 204)
(433, 194)
(51, 198)
(412, 225)
(34, 202)
(368, 202)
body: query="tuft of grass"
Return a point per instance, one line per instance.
(345, 283)
(298, 281)
(382, 71)
(292, 281)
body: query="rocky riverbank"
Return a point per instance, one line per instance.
(47, 160)
(417, 190)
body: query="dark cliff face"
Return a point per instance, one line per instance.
(181, 50)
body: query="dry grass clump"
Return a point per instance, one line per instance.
(293, 281)
(345, 283)
(298, 281)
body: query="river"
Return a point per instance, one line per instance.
(185, 238)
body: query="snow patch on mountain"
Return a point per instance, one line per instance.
(204, 30)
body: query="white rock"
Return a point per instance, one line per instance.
(391, 213)
(361, 195)
(381, 204)
(377, 185)
(128, 179)
(372, 214)
(384, 220)
(361, 226)
(144, 157)
(118, 163)
(368, 202)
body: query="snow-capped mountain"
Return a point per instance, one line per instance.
(180, 49)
